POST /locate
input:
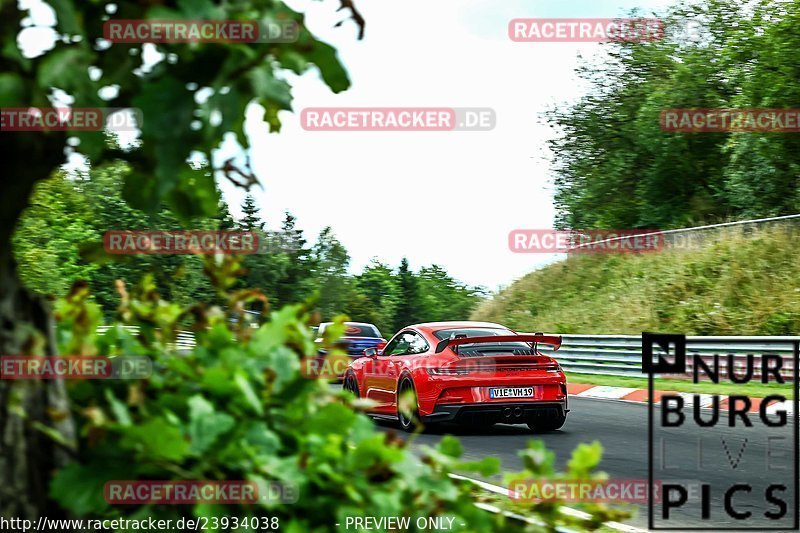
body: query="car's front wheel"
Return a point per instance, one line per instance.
(551, 423)
(409, 417)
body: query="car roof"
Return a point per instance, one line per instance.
(430, 327)
(350, 323)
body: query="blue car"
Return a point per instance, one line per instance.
(357, 337)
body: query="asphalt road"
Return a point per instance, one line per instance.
(720, 456)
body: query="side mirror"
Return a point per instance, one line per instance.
(370, 352)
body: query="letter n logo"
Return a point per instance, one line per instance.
(663, 353)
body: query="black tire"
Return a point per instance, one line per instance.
(350, 384)
(548, 424)
(408, 424)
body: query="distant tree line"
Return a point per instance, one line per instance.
(616, 168)
(70, 211)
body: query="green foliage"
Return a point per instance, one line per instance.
(294, 285)
(444, 298)
(734, 284)
(329, 261)
(251, 220)
(58, 242)
(407, 309)
(616, 168)
(538, 464)
(377, 284)
(238, 408)
(175, 123)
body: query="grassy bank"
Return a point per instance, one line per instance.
(732, 284)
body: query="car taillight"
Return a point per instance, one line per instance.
(553, 368)
(447, 372)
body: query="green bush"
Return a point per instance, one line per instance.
(238, 408)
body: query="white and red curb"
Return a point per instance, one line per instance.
(626, 394)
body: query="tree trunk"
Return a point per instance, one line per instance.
(28, 456)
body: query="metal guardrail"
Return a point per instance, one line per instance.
(621, 355)
(678, 237)
(184, 340)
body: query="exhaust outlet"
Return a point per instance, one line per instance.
(507, 412)
(517, 412)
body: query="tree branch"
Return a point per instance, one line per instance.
(355, 15)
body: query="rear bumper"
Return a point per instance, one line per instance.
(506, 412)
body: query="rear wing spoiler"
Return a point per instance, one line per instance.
(553, 340)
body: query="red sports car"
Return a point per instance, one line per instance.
(473, 373)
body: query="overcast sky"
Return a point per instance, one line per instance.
(448, 198)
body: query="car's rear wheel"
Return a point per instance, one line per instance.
(408, 421)
(350, 384)
(551, 423)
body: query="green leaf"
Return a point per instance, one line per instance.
(195, 194)
(209, 511)
(333, 73)
(119, 409)
(68, 19)
(333, 418)
(271, 116)
(218, 381)
(167, 109)
(449, 445)
(205, 424)
(488, 466)
(244, 386)
(141, 191)
(156, 440)
(585, 458)
(201, 9)
(12, 90)
(92, 143)
(268, 88)
(231, 106)
(537, 458)
(68, 68)
(263, 439)
(79, 488)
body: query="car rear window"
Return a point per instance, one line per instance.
(520, 348)
(443, 334)
(361, 330)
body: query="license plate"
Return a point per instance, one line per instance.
(511, 392)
